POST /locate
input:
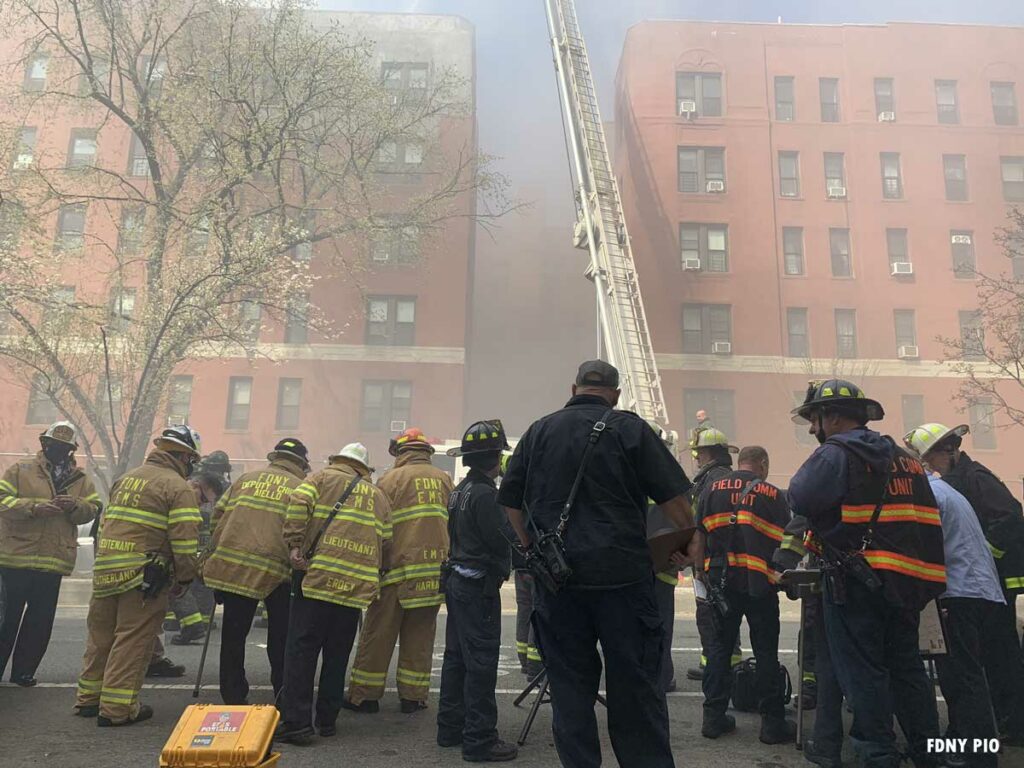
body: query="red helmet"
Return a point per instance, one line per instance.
(412, 438)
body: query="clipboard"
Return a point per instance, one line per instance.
(932, 634)
(664, 543)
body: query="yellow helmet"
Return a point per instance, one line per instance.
(709, 437)
(927, 437)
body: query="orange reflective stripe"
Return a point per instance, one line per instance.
(743, 517)
(750, 562)
(908, 566)
(891, 513)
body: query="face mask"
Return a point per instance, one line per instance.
(57, 453)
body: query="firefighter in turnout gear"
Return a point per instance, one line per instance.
(743, 516)
(407, 608)
(713, 452)
(43, 500)
(1003, 526)
(148, 542)
(870, 505)
(336, 530)
(248, 563)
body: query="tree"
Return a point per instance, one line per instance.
(252, 134)
(989, 353)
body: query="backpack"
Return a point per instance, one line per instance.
(744, 685)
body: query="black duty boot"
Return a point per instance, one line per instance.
(300, 735)
(145, 713)
(717, 725)
(822, 757)
(89, 710)
(368, 707)
(191, 634)
(777, 730)
(164, 667)
(695, 673)
(25, 681)
(499, 752)
(810, 695)
(408, 706)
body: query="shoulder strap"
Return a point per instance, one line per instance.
(595, 434)
(330, 518)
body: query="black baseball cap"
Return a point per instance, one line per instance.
(597, 373)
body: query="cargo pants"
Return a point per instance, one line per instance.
(526, 640)
(118, 650)
(386, 622)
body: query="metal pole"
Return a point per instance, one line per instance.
(800, 672)
(202, 659)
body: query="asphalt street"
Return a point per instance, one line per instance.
(36, 726)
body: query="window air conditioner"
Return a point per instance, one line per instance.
(886, 117)
(687, 108)
(174, 420)
(381, 256)
(902, 268)
(837, 193)
(907, 352)
(961, 239)
(721, 348)
(398, 426)
(716, 185)
(691, 264)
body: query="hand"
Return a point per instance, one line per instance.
(46, 509)
(65, 502)
(179, 589)
(693, 554)
(297, 560)
(678, 559)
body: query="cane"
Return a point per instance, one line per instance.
(202, 659)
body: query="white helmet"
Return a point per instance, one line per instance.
(61, 432)
(925, 438)
(354, 451)
(708, 437)
(177, 437)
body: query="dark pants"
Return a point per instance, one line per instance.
(469, 673)
(763, 618)
(526, 639)
(828, 716)
(1005, 671)
(812, 609)
(28, 618)
(875, 654)
(316, 627)
(665, 595)
(706, 630)
(625, 622)
(961, 672)
(238, 615)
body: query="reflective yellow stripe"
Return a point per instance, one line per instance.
(997, 553)
(908, 566)
(92, 497)
(36, 563)
(184, 515)
(337, 565)
(520, 646)
(891, 513)
(184, 546)
(533, 654)
(307, 490)
(743, 517)
(192, 618)
(277, 507)
(116, 562)
(410, 677)
(6, 486)
(140, 516)
(793, 544)
(418, 511)
(668, 578)
(249, 560)
(328, 596)
(89, 686)
(810, 677)
(421, 602)
(1014, 582)
(235, 589)
(368, 678)
(409, 572)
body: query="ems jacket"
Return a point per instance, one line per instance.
(42, 543)
(1000, 516)
(476, 526)
(345, 567)
(418, 494)
(249, 556)
(153, 513)
(743, 530)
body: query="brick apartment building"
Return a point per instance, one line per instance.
(816, 199)
(401, 360)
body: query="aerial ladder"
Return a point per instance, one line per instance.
(601, 224)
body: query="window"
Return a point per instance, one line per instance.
(197, 239)
(101, 71)
(25, 154)
(405, 79)
(41, 408)
(707, 242)
(296, 326)
(828, 88)
(719, 404)
(400, 156)
(71, 227)
(129, 236)
(846, 333)
(913, 412)
(946, 102)
(249, 316)
(390, 321)
(981, 414)
(395, 243)
(906, 330)
(703, 89)
(892, 181)
(138, 164)
(896, 244)
(1013, 178)
(835, 174)
(122, 307)
(387, 405)
(1004, 104)
(972, 335)
(306, 226)
(289, 397)
(705, 324)
(885, 97)
(789, 174)
(785, 100)
(793, 250)
(796, 326)
(801, 431)
(152, 72)
(35, 72)
(56, 319)
(108, 400)
(1017, 267)
(701, 169)
(82, 149)
(239, 402)
(962, 244)
(179, 400)
(954, 169)
(839, 251)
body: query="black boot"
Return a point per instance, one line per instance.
(164, 667)
(810, 695)
(820, 757)
(145, 713)
(300, 735)
(717, 725)
(368, 707)
(499, 752)
(777, 730)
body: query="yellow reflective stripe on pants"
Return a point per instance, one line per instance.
(118, 696)
(410, 677)
(668, 578)
(810, 677)
(1014, 582)
(192, 618)
(997, 553)
(520, 646)
(421, 602)
(362, 677)
(533, 653)
(89, 687)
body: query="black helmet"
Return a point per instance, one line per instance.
(481, 437)
(217, 461)
(836, 392)
(290, 448)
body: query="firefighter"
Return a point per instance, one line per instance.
(1003, 525)
(43, 500)
(148, 542)
(531, 663)
(479, 562)
(870, 505)
(714, 461)
(335, 530)
(407, 608)
(743, 516)
(248, 563)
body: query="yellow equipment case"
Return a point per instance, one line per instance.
(209, 736)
